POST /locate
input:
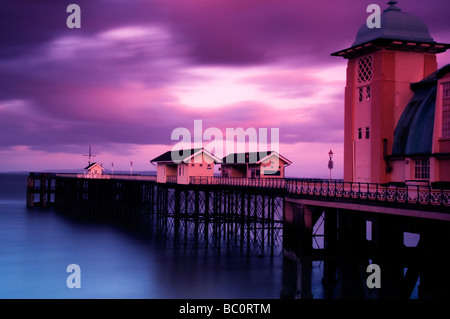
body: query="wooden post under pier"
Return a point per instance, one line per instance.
(43, 184)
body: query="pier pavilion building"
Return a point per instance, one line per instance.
(178, 166)
(397, 103)
(254, 165)
(94, 170)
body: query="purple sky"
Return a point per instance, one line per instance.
(137, 70)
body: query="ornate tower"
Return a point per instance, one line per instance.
(382, 64)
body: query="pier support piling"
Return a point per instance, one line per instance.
(330, 247)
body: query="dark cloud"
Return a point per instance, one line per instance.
(218, 32)
(254, 32)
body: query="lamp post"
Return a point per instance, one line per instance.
(131, 168)
(330, 162)
(112, 168)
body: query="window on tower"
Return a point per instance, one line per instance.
(422, 169)
(368, 93)
(365, 69)
(367, 132)
(446, 109)
(364, 93)
(359, 133)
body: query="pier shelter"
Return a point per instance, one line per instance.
(94, 170)
(254, 165)
(177, 166)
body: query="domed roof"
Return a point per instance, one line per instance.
(413, 134)
(395, 25)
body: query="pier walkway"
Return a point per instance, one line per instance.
(41, 190)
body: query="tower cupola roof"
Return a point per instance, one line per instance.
(398, 31)
(395, 25)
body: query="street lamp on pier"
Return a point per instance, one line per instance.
(330, 162)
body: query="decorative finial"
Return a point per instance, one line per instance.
(392, 6)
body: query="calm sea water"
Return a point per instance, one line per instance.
(36, 246)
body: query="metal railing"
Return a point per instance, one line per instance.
(408, 194)
(239, 181)
(171, 179)
(150, 178)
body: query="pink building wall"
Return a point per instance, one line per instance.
(200, 165)
(392, 74)
(95, 170)
(273, 163)
(163, 170)
(440, 166)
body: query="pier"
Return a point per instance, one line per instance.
(396, 177)
(210, 216)
(363, 224)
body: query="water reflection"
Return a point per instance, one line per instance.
(120, 261)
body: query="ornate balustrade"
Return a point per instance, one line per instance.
(409, 194)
